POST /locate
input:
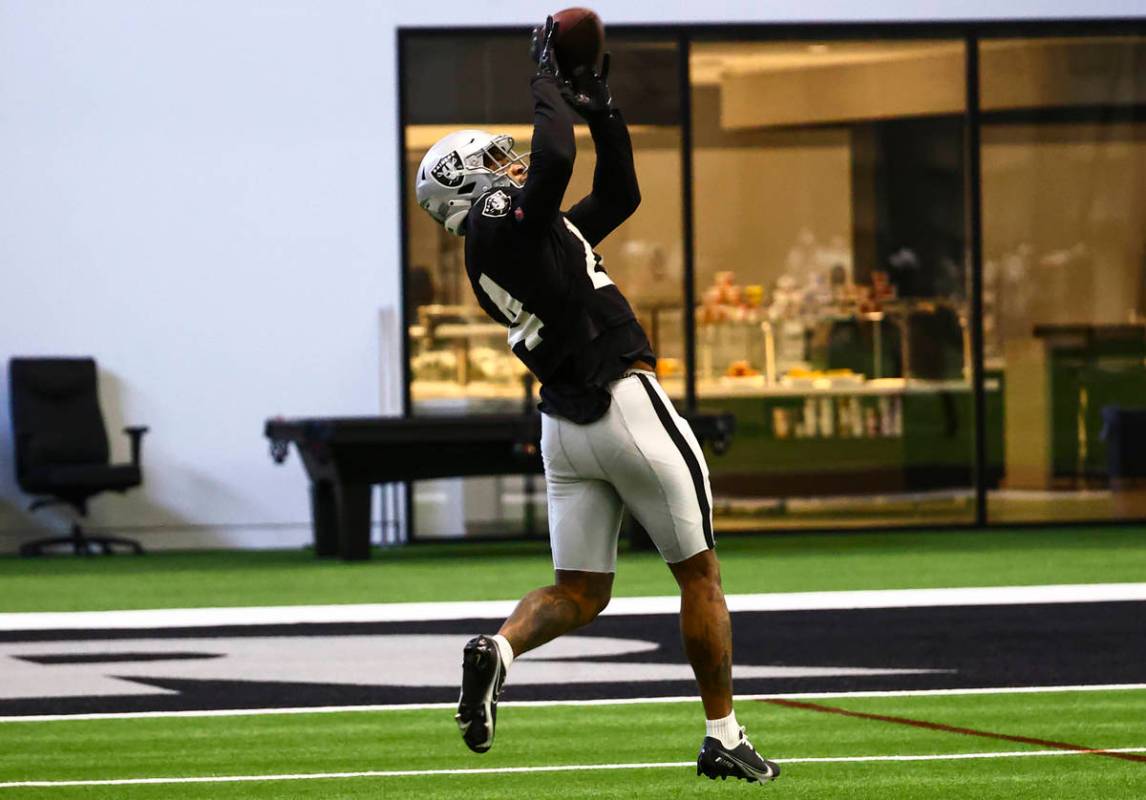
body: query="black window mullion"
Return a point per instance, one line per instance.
(407, 407)
(684, 81)
(974, 201)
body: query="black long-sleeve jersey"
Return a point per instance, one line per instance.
(533, 268)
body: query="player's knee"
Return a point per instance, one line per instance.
(590, 599)
(591, 591)
(594, 602)
(700, 571)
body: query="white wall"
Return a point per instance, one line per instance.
(202, 194)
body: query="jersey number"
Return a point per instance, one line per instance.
(597, 274)
(524, 327)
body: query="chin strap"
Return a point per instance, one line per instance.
(457, 216)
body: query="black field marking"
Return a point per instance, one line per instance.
(1056, 644)
(939, 726)
(686, 453)
(113, 658)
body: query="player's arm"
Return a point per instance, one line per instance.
(616, 193)
(553, 148)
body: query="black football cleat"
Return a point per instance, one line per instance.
(741, 762)
(482, 677)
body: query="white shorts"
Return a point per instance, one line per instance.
(642, 455)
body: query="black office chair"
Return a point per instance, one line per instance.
(61, 445)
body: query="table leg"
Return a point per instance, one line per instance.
(324, 518)
(353, 501)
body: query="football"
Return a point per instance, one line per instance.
(580, 38)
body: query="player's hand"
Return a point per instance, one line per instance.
(541, 49)
(587, 92)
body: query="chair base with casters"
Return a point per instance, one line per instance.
(80, 542)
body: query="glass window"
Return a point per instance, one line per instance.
(1064, 247)
(460, 362)
(831, 280)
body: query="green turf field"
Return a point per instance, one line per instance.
(665, 734)
(566, 751)
(460, 571)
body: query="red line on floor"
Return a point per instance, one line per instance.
(939, 726)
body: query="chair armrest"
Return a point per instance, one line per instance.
(136, 433)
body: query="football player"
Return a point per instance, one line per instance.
(610, 436)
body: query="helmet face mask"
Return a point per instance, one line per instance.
(500, 156)
(458, 169)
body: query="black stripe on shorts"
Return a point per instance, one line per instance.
(686, 453)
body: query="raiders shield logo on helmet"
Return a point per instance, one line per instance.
(496, 205)
(448, 170)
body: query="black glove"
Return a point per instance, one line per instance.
(541, 49)
(587, 92)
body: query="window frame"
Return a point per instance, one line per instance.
(971, 33)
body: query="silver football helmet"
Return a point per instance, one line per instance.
(458, 169)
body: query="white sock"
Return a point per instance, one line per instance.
(505, 650)
(727, 730)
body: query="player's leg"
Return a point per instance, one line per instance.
(660, 474)
(662, 477)
(584, 521)
(574, 600)
(706, 630)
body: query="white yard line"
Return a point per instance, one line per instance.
(151, 619)
(259, 712)
(405, 773)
